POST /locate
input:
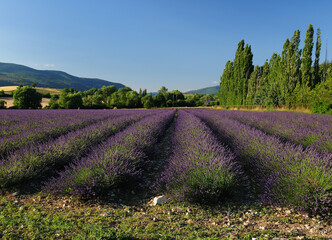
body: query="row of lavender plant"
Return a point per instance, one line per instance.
(286, 173)
(299, 128)
(16, 117)
(34, 161)
(12, 117)
(54, 129)
(21, 120)
(200, 169)
(116, 161)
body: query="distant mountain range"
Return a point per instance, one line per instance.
(14, 74)
(207, 90)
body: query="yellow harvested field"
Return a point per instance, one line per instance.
(8, 88)
(12, 88)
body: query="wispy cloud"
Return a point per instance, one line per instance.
(215, 82)
(49, 65)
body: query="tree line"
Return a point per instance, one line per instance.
(108, 97)
(287, 79)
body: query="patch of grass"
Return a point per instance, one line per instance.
(47, 217)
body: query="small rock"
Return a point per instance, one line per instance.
(306, 215)
(155, 219)
(159, 200)
(106, 213)
(246, 223)
(288, 212)
(15, 194)
(262, 228)
(15, 201)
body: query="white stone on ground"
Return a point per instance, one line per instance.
(159, 200)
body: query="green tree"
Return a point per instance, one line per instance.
(242, 70)
(323, 97)
(247, 69)
(106, 92)
(227, 87)
(2, 104)
(295, 66)
(164, 91)
(54, 102)
(275, 95)
(317, 78)
(160, 100)
(133, 100)
(236, 93)
(70, 99)
(263, 85)
(307, 58)
(27, 97)
(147, 101)
(285, 70)
(174, 97)
(253, 85)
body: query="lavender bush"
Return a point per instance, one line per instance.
(200, 169)
(299, 128)
(52, 128)
(34, 161)
(116, 161)
(287, 174)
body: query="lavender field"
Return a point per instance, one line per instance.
(207, 156)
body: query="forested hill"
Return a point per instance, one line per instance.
(14, 74)
(207, 90)
(294, 77)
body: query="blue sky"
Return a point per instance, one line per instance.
(180, 44)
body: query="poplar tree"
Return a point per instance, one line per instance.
(262, 88)
(285, 69)
(307, 58)
(226, 89)
(247, 69)
(275, 93)
(238, 63)
(294, 59)
(253, 85)
(316, 77)
(243, 68)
